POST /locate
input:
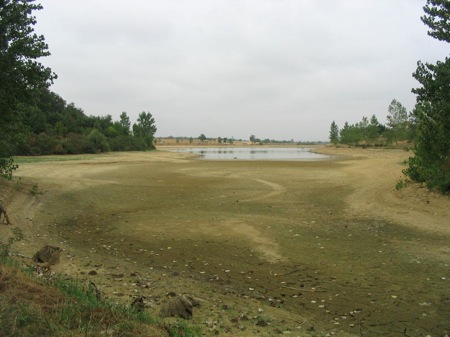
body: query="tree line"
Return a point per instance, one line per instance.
(399, 128)
(428, 125)
(51, 126)
(36, 121)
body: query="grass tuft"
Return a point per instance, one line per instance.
(64, 307)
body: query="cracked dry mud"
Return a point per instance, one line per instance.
(298, 248)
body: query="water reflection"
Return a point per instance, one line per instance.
(252, 153)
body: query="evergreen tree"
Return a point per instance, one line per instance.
(334, 133)
(373, 129)
(431, 163)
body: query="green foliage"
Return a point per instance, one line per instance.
(21, 75)
(96, 142)
(78, 313)
(437, 18)
(431, 162)
(351, 134)
(7, 167)
(65, 129)
(401, 184)
(67, 307)
(125, 124)
(375, 130)
(145, 130)
(5, 248)
(397, 121)
(182, 329)
(373, 133)
(253, 139)
(334, 133)
(35, 190)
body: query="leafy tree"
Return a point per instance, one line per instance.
(431, 163)
(344, 134)
(74, 119)
(125, 123)
(202, 137)
(364, 126)
(120, 128)
(145, 129)
(373, 129)
(334, 133)
(351, 134)
(96, 142)
(21, 75)
(397, 120)
(102, 123)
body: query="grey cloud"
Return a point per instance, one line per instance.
(275, 68)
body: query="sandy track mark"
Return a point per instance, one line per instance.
(266, 247)
(276, 190)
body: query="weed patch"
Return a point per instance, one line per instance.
(65, 307)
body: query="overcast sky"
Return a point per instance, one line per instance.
(278, 69)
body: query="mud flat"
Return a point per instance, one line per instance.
(298, 248)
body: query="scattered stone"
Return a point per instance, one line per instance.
(92, 273)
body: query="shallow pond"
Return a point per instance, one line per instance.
(253, 153)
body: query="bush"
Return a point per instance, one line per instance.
(96, 142)
(434, 174)
(7, 167)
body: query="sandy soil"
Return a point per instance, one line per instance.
(298, 248)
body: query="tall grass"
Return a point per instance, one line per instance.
(65, 307)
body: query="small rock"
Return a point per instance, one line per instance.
(138, 303)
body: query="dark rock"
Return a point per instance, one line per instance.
(48, 254)
(138, 303)
(179, 306)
